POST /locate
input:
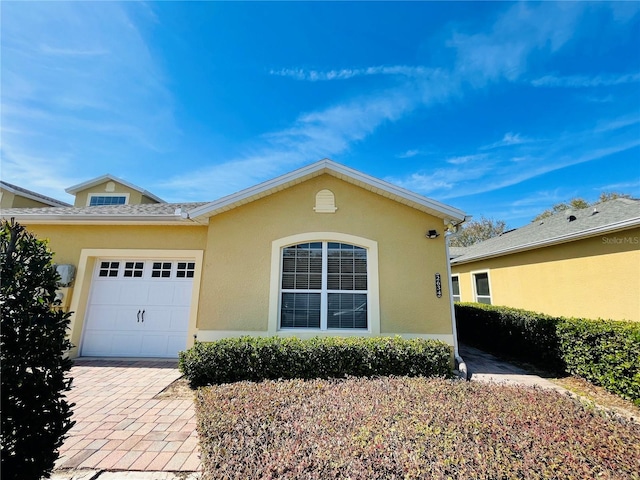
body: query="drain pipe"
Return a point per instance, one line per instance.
(462, 366)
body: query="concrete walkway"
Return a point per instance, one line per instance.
(119, 424)
(484, 367)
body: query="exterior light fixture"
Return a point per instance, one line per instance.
(432, 234)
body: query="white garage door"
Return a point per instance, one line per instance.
(138, 308)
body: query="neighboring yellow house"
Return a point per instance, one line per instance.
(323, 250)
(581, 263)
(12, 196)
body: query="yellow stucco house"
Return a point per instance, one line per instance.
(582, 263)
(323, 250)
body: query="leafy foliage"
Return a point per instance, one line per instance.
(260, 358)
(410, 428)
(605, 352)
(476, 231)
(35, 416)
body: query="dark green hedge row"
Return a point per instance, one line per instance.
(528, 336)
(261, 358)
(605, 352)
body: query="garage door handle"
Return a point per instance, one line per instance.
(142, 316)
(138, 315)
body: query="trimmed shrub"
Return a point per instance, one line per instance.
(528, 336)
(604, 352)
(607, 353)
(261, 358)
(35, 415)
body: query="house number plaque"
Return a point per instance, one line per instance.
(438, 286)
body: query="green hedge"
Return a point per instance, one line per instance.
(528, 336)
(605, 352)
(261, 358)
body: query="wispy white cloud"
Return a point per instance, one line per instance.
(631, 187)
(409, 153)
(585, 81)
(508, 140)
(465, 159)
(347, 73)
(502, 168)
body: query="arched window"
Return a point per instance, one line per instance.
(324, 285)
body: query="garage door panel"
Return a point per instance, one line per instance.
(154, 345)
(179, 320)
(126, 319)
(102, 317)
(134, 292)
(138, 311)
(125, 344)
(182, 294)
(97, 344)
(157, 319)
(162, 293)
(106, 293)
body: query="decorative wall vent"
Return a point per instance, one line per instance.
(325, 202)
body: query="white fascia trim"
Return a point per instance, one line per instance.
(592, 232)
(102, 219)
(323, 166)
(90, 183)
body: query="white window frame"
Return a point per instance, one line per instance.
(475, 292)
(373, 302)
(459, 296)
(92, 195)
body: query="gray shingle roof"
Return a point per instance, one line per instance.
(618, 214)
(142, 210)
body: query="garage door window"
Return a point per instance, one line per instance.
(109, 269)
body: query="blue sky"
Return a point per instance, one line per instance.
(500, 109)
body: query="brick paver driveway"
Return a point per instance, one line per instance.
(119, 423)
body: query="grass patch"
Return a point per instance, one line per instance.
(400, 427)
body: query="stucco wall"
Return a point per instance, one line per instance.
(11, 200)
(239, 247)
(597, 277)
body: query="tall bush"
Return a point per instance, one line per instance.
(35, 414)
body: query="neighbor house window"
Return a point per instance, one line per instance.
(482, 289)
(455, 288)
(324, 286)
(98, 200)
